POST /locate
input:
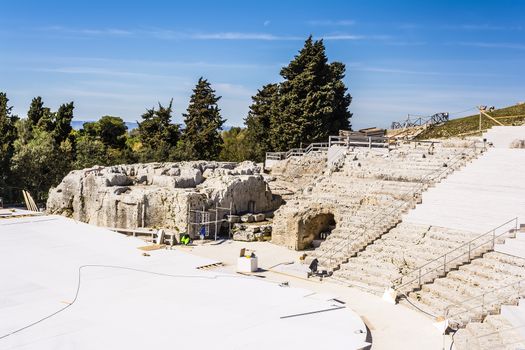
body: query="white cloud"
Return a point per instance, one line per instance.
(89, 31)
(389, 70)
(482, 27)
(344, 22)
(492, 45)
(242, 36)
(343, 37)
(233, 90)
(266, 23)
(97, 71)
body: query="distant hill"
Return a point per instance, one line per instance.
(513, 115)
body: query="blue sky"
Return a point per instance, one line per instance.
(120, 57)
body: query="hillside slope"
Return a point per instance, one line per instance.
(513, 115)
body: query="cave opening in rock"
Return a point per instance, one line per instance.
(315, 229)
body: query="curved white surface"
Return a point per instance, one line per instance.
(126, 309)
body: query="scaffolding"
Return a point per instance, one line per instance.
(413, 121)
(202, 220)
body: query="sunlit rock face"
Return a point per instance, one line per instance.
(159, 194)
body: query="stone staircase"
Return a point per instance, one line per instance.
(495, 332)
(473, 290)
(397, 252)
(516, 246)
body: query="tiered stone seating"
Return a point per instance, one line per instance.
(370, 192)
(460, 291)
(398, 252)
(495, 332)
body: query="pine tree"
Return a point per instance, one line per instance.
(313, 100)
(156, 129)
(158, 135)
(258, 121)
(201, 138)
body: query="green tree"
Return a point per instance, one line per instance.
(62, 123)
(90, 152)
(313, 100)
(158, 135)
(201, 138)
(235, 145)
(7, 139)
(37, 111)
(112, 131)
(259, 121)
(41, 163)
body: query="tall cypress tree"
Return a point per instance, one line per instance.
(201, 138)
(258, 121)
(36, 111)
(7, 139)
(313, 100)
(63, 118)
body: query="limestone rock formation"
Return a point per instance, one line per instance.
(159, 194)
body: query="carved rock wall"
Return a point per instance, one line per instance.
(158, 194)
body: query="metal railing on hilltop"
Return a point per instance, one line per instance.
(380, 216)
(311, 148)
(462, 254)
(342, 141)
(361, 141)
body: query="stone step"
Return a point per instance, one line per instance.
(364, 279)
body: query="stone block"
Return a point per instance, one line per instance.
(247, 218)
(258, 217)
(234, 219)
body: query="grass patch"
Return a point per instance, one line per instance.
(463, 125)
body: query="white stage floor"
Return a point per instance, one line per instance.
(175, 306)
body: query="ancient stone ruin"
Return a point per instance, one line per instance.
(162, 195)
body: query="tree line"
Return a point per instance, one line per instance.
(309, 104)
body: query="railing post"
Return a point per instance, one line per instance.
(482, 304)
(369, 142)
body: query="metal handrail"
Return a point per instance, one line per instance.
(299, 151)
(484, 300)
(443, 266)
(414, 190)
(370, 141)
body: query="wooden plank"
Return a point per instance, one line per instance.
(148, 248)
(488, 116)
(26, 200)
(510, 116)
(32, 202)
(471, 132)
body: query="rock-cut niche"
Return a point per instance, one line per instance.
(314, 229)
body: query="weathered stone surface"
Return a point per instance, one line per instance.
(234, 219)
(158, 194)
(252, 232)
(365, 195)
(247, 218)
